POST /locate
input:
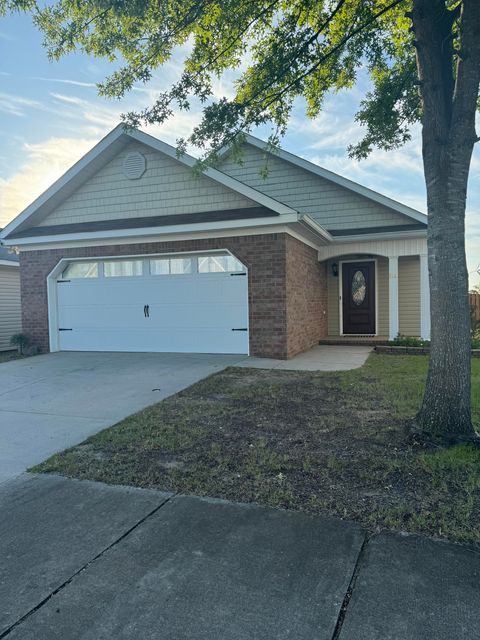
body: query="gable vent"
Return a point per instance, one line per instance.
(134, 166)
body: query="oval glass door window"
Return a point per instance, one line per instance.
(359, 287)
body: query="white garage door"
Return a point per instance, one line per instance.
(191, 304)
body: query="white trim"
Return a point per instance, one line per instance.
(158, 238)
(340, 297)
(312, 223)
(59, 184)
(393, 311)
(115, 136)
(386, 248)
(424, 298)
(9, 263)
(52, 300)
(210, 229)
(336, 179)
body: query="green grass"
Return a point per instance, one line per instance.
(334, 443)
(7, 356)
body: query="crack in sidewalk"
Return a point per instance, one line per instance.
(64, 584)
(350, 588)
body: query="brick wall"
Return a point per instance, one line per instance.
(306, 284)
(278, 266)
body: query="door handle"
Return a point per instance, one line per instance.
(146, 310)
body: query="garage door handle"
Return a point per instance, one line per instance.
(146, 310)
(242, 329)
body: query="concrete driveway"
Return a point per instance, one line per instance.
(54, 401)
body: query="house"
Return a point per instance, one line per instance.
(10, 313)
(131, 250)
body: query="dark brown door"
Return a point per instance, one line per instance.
(358, 297)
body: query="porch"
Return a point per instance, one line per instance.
(376, 290)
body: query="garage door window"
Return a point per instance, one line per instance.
(123, 268)
(218, 264)
(81, 270)
(171, 266)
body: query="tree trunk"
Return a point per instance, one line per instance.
(448, 136)
(446, 403)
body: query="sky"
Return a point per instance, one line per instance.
(51, 115)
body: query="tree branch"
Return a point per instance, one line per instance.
(330, 53)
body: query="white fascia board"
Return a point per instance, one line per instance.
(336, 179)
(214, 174)
(419, 233)
(313, 224)
(174, 237)
(210, 227)
(67, 177)
(9, 263)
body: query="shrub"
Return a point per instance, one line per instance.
(408, 341)
(21, 341)
(411, 341)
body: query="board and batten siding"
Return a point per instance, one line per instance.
(408, 296)
(333, 206)
(166, 188)
(10, 310)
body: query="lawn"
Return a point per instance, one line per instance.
(330, 443)
(6, 356)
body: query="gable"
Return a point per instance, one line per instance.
(334, 207)
(166, 188)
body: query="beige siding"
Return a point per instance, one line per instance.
(166, 188)
(334, 207)
(409, 295)
(382, 296)
(333, 284)
(333, 295)
(10, 315)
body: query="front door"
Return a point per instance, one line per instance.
(358, 297)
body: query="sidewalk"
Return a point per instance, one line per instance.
(85, 561)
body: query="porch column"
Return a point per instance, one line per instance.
(393, 296)
(424, 298)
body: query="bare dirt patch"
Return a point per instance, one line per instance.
(335, 443)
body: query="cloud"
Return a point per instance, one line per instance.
(16, 105)
(88, 111)
(75, 83)
(44, 163)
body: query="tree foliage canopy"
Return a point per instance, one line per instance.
(423, 59)
(282, 49)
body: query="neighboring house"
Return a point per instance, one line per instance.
(10, 308)
(133, 251)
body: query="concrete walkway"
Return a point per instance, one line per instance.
(85, 561)
(320, 358)
(54, 401)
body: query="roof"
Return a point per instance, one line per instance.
(105, 151)
(267, 210)
(145, 222)
(336, 179)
